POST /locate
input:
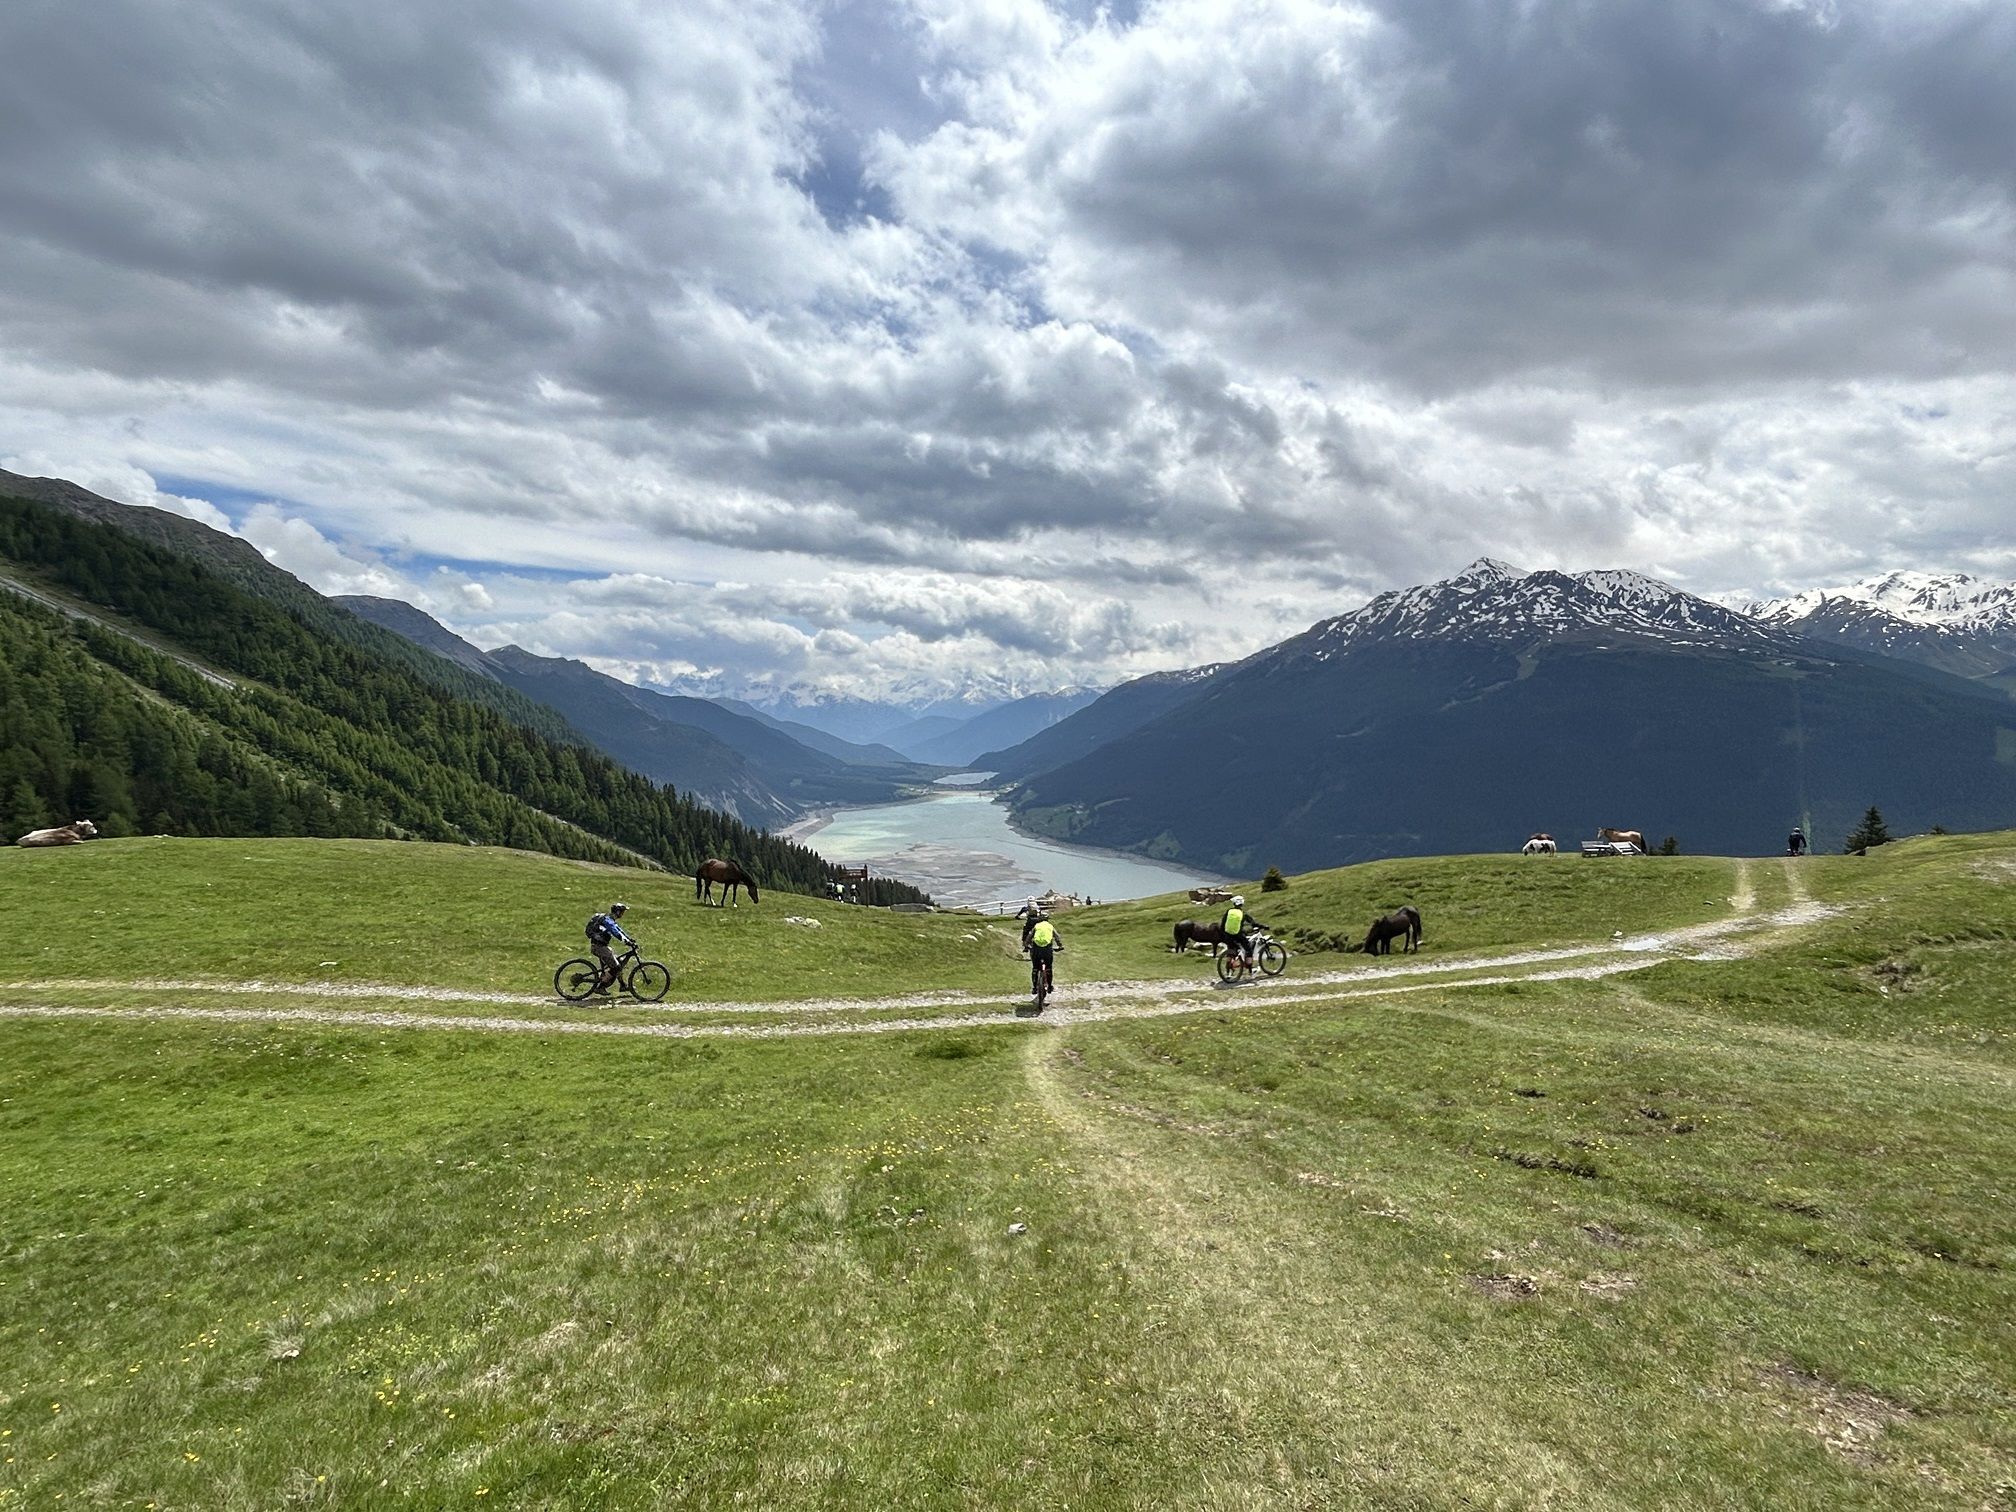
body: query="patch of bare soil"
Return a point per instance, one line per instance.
(1609, 1285)
(1609, 1238)
(1506, 1287)
(1896, 975)
(1849, 1422)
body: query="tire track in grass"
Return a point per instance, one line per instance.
(1661, 942)
(1091, 1003)
(1060, 1017)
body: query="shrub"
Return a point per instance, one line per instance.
(1273, 881)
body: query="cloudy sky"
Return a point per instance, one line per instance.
(895, 345)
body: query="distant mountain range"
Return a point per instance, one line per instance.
(940, 731)
(1466, 713)
(1956, 623)
(1455, 715)
(744, 764)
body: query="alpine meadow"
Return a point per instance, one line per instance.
(1643, 1182)
(1118, 755)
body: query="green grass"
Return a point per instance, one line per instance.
(481, 919)
(1719, 1233)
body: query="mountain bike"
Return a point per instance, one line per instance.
(1269, 957)
(1040, 981)
(646, 981)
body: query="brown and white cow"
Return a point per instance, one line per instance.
(67, 834)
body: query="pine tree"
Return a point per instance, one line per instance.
(23, 812)
(1273, 881)
(1871, 831)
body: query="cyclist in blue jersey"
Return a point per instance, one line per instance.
(601, 930)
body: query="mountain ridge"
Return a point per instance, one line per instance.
(1464, 714)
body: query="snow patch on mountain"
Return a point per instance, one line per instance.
(1491, 601)
(1952, 600)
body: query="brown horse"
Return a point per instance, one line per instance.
(730, 875)
(1199, 932)
(1623, 837)
(1402, 923)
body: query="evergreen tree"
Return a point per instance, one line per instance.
(23, 812)
(1871, 831)
(1273, 881)
(1670, 846)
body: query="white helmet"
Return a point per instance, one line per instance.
(1238, 902)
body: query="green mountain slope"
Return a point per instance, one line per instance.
(239, 564)
(343, 739)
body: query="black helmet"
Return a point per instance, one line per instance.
(616, 908)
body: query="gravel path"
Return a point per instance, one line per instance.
(1087, 1003)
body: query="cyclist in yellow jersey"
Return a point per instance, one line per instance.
(1043, 947)
(1237, 925)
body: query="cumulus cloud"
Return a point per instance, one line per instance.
(971, 339)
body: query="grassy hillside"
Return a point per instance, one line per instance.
(1724, 1231)
(302, 733)
(466, 917)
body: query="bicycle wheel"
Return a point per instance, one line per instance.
(649, 981)
(576, 979)
(1230, 965)
(1273, 958)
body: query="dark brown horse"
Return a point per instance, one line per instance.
(730, 875)
(1199, 932)
(1402, 923)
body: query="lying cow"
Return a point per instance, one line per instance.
(68, 834)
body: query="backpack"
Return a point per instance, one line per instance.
(598, 931)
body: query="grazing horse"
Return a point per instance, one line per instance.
(729, 874)
(1538, 845)
(1623, 837)
(1402, 923)
(68, 834)
(1199, 932)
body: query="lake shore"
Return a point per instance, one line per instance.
(800, 830)
(963, 847)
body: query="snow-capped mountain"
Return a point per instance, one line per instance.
(1464, 714)
(1952, 599)
(1956, 623)
(1489, 601)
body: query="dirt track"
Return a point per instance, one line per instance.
(1090, 1002)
